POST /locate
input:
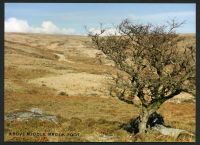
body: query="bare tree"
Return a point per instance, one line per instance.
(156, 68)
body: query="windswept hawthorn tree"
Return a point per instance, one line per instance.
(157, 68)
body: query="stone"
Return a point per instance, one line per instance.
(33, 114)
(36, 110)
(174, 132)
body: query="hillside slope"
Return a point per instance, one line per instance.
(67, 77)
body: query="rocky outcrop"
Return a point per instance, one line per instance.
(33, 114)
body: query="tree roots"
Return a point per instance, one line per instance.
(173, 132)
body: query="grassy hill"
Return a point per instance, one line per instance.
(63, 76)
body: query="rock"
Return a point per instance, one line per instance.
(156, 123)
(36, 110)
(171, 131)
(34, 114)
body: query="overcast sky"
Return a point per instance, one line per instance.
(68, 18)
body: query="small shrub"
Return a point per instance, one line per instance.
(63, 93)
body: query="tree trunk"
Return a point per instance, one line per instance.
(143, 120)
(145, 114)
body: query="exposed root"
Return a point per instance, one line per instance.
(173, 132)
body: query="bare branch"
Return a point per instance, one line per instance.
(152, 59)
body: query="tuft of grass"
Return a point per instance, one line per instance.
(63, 93)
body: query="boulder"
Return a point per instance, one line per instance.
(33, 114)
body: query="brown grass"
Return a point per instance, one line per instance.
(94, 118)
